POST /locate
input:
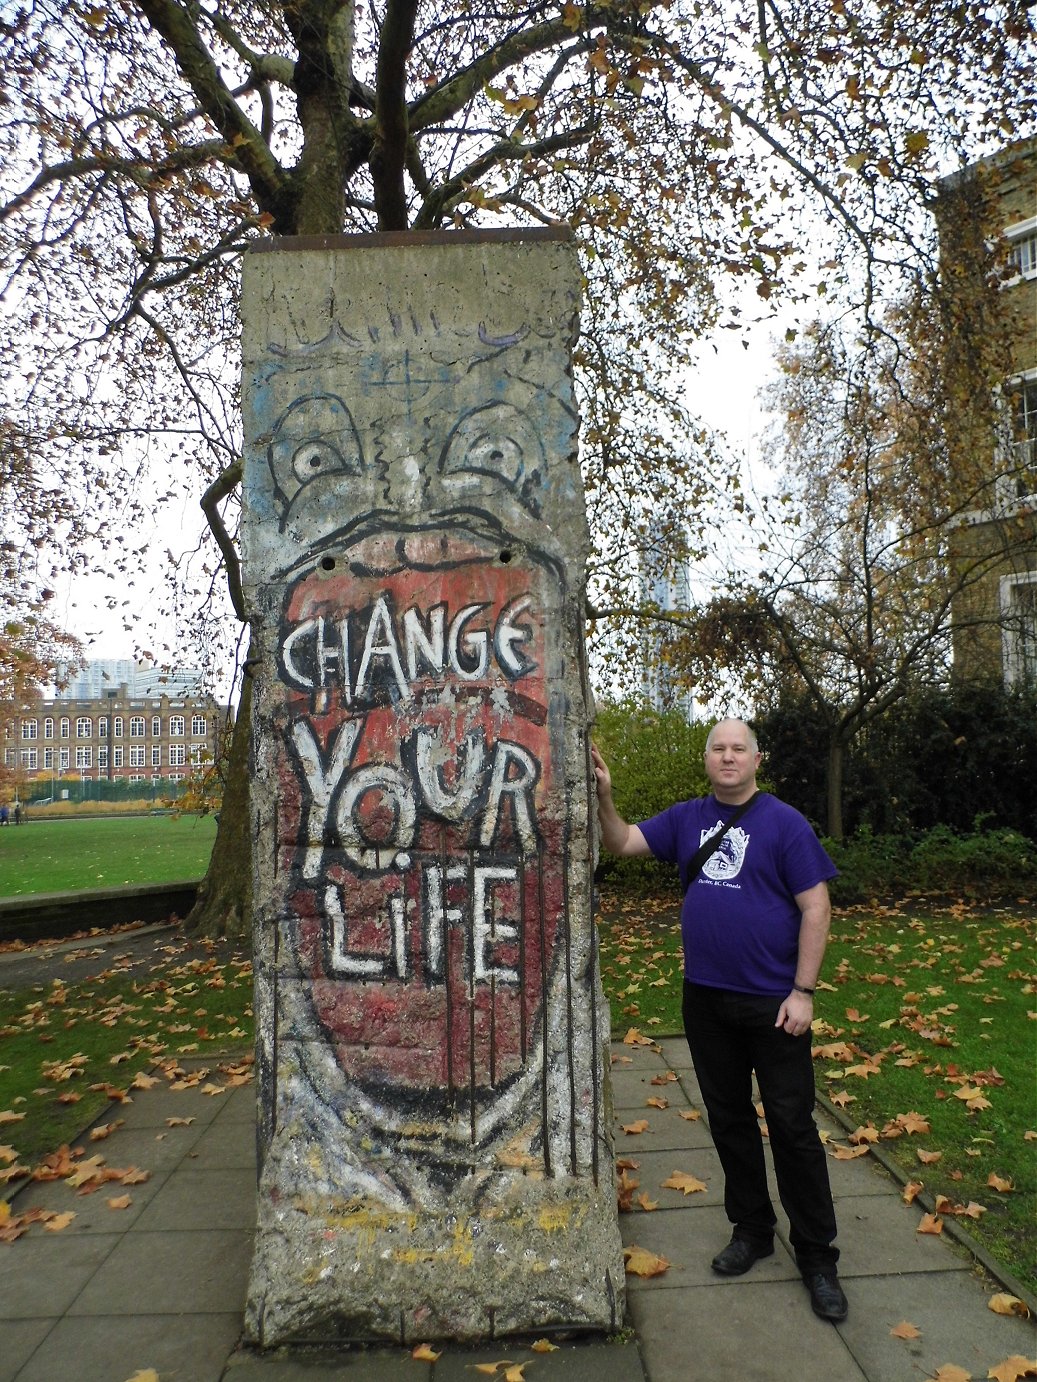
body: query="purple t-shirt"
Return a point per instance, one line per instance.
(740, 922)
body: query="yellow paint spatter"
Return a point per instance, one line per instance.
(555, 1218)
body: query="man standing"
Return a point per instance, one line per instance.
(754, 926)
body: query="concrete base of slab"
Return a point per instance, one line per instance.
(526, 1263)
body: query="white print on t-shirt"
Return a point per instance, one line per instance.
(726, 861)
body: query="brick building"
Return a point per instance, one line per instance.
(116, 737)
(995, 618)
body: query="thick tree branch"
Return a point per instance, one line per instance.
(389, 154)
(225, 484)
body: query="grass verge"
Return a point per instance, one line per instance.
(103, 852)
(69, 1050)
(923, 1035)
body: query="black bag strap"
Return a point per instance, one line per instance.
(711, 845)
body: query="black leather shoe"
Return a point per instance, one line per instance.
(739, 1256)
(826, 1296)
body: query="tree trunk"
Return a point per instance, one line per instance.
(835, 786)
(224, 904)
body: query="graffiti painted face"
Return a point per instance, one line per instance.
(422, 821)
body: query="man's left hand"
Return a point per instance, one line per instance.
(796, 1013)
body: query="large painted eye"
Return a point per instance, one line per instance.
(315, 438)
(315, 458)
(496, 443)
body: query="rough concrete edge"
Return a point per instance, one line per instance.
(991, 1266)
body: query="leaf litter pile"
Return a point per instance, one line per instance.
(924, 1040)
(180, 1016)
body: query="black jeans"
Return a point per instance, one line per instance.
(731, 1035)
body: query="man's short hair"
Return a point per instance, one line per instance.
(735, 720)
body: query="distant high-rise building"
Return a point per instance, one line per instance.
(666, 585)
(96, 678)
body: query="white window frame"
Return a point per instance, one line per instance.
(30, 760)
(64, 759)
(199, 727)
(48, 758)
(66, 727)
(177, 755)
(30, 729)
(1013, 659)
(138, 726)
(177, 727)
(156, 726)
(117, 727)
(156, 755)
(117, 753)
(48, 727)
(84, 756)
(82, 733)
(137, 755)
(1022, 235)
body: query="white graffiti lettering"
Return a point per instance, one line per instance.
(395, 655)
(476, 912)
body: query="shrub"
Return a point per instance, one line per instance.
(987, 866)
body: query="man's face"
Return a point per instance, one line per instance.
(731, 762)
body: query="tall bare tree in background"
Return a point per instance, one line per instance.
(145, 143)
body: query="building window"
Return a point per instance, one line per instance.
(102, 727)
(175, 777)
(10, 758)
(136, 777)
(1023, 252)
(64, 727)
(29, 729)
(63, 761)
(156, 726)
(48, 759)
(1019, 628)
(137, 726)
(84, 727)
(137, 756)
(84, 756)
(102, 757)
(117, 727)
(117, 756)
(156, 755)
(48, 728)
(177, 755)
(199, 727)
(176, 726)
(30, 759)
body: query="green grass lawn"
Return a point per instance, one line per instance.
(45, 856)
(924, 1036)
(70, 1050)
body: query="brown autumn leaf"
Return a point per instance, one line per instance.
(634, 1038)
(1012, 1368)
(9, 1116)
(544, 1346)
(681, 1180)
(913, 1122)
(7, 1155)
(59, 1221)
(646, 1204)
(105, 1130)
(950, 1372)
(657, 1101)
(120, 1202)
(905, 1330)
(1004, 1303)
(912, 1190)
(841, 1153)
(514, 1372)
(144, 1375)
(144, 1081)
(690, 1115)
(641, 1262)
(85, 1170)
(1002, 1183)
(179, 1122)
(634, 1129)
(852, 1015)
(867, 1134)
(627, 1163)
(841, 1099)
(931, 1223)
(490, 1369)
(669, 1077)
(424, 1354)
(927, 1158)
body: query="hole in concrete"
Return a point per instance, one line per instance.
(327, 563)
(505, 556)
